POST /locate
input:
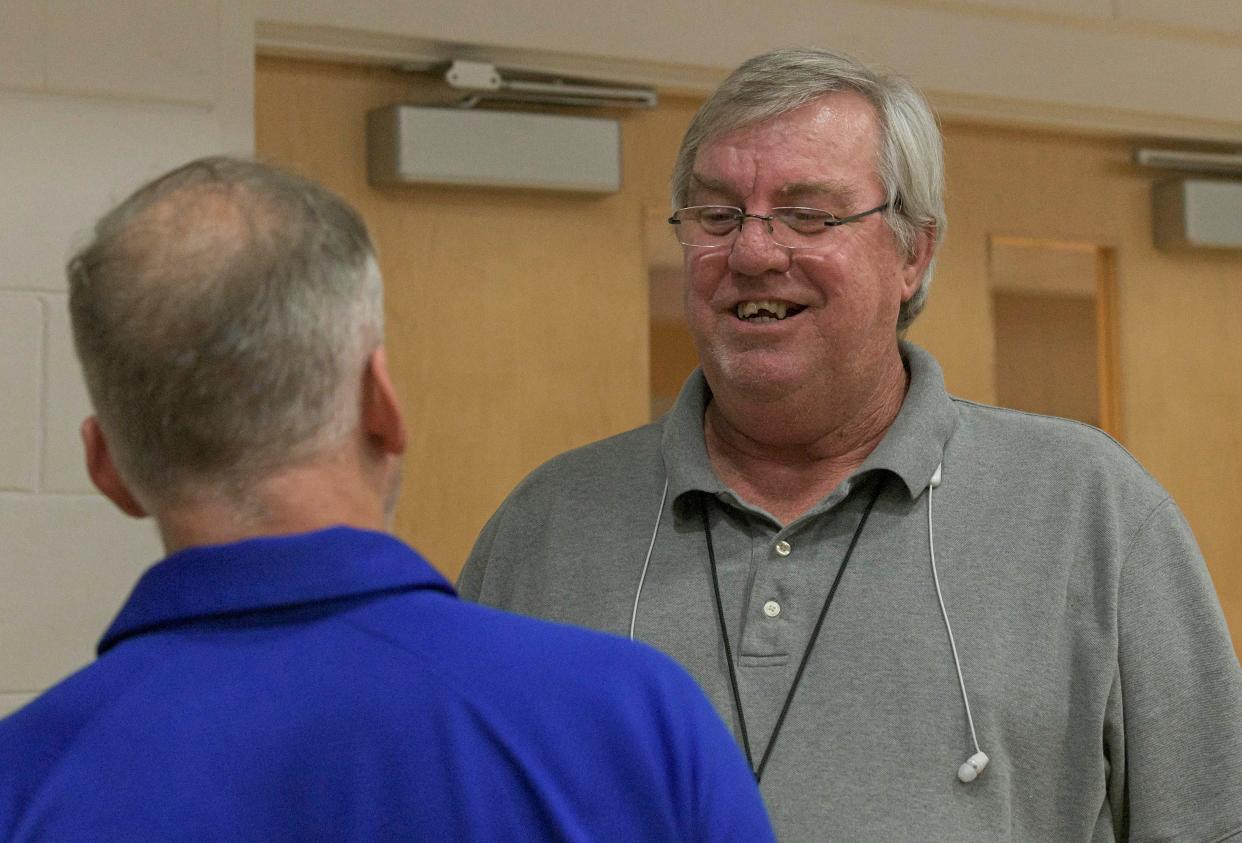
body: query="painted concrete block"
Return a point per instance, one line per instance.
(21, 373)
(64, 161)
(67, 562)
(22, 40)
(162, 49)
(66, 404)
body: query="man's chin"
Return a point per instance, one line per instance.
(756, 375)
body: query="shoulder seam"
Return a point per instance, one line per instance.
(1088, 428)
(1142, 525)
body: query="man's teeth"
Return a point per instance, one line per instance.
(762, 310)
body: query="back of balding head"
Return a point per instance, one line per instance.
(223, 314)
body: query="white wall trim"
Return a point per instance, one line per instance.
(415, 54)
(322, 43)
(999, 111)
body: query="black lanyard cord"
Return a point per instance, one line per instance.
(810, 645)
(724, 634)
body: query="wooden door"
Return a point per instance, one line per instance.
(517, 321)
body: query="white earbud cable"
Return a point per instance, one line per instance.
(647, 562)
(944, 613)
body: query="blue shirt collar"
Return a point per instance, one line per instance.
(269, 572)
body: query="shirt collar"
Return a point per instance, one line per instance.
(683, 444)
(269, 572)
(911, 448)
(914, 444)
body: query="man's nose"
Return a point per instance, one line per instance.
(754, 252)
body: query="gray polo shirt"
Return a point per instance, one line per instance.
(1101, 676)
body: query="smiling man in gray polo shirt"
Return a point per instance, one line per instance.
(925, 619)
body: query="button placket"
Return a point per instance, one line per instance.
(766, 612)
(771, 607)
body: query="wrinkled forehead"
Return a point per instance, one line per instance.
(828, 147)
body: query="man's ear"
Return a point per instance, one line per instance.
(916, 263)
(102, 469)
(381, 414)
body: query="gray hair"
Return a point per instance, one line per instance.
(223, 315)
(911, 166)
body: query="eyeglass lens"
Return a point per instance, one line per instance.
(795, 228)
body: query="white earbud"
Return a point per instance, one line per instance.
(935, 478)
(974, 765)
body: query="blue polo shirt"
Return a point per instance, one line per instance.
(330, 686)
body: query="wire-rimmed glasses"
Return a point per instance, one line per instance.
(711, 226)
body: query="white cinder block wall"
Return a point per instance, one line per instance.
(95, 98)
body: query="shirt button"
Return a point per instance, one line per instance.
(771, 608)
(783, 548)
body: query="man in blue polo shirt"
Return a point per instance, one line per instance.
(290, 671)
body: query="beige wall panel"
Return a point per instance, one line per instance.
(1045, 355)
(1047, 269)
(21, 43)
(517, 321)
(172, 48)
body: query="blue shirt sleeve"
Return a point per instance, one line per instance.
(717, 788)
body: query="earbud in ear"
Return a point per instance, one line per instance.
(974, 765)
